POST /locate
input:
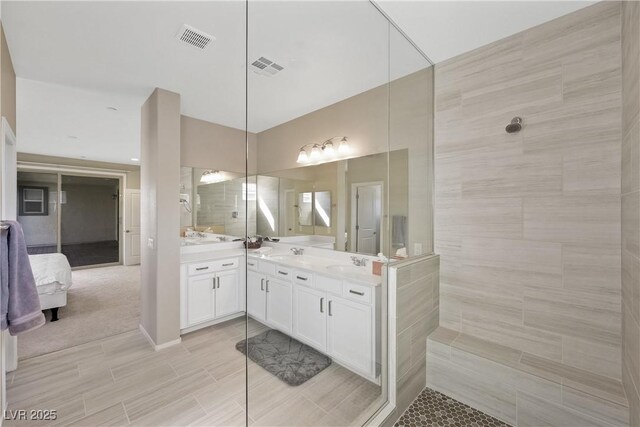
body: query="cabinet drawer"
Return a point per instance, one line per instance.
(303, 278)
(201, 267)
(328, 284)
(354, 292)
(283, 273)
(267, 268)
(226, 264)
(252, 264)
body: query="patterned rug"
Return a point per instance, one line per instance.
(286, 358)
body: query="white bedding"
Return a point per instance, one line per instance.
(52, 273)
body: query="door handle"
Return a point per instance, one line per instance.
(356, 292)
(227, 265)
(301, 278)
(262, 284)
(218, 280)
(284, 273)
(201, 268)
(330, 308)
(127, 231)
(322, 305)
(214, 283)
(267, 285)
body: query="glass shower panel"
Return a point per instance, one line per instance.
(90, 220)
(410, 149)
(38, 211)
(318, 111)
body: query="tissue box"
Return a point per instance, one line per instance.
(377, 268)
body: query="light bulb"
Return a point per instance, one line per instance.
(302, 157)
(328, 150)
(315, 153)
(344, 148)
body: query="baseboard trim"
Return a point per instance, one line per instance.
(155, 346)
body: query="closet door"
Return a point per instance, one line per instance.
(279, 313)
(200, 298)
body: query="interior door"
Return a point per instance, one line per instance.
(256, 296)
(227, 293)
(310, 323)
(132, 228)
(368, 211)
(349, 333)
(279, 305)
(200, 298)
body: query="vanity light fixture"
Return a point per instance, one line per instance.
(211, 176)
(325, 151)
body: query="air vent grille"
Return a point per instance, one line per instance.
(266, 67)
(193, 37)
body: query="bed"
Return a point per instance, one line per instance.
(52, 274)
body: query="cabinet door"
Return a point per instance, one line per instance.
(227, 293)
(309, 317)
(279, 305)
(350, 334)
(256, 296)
(200, 298)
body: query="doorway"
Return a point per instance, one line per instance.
(366, 214)
(75, 215)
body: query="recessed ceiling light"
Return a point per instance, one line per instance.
(72, 137)
(135, 159)
(112, 108)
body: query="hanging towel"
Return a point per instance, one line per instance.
(19, 302)
(399, 231)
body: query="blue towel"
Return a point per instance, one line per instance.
(19, 302)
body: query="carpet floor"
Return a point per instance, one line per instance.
(102, 302)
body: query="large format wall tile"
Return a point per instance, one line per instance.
(528, 224)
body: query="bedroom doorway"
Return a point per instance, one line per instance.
(77, 215)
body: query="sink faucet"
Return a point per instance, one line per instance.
(297, 251)
(359, 262)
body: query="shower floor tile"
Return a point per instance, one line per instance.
(432, 408)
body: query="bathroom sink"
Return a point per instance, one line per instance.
(348, 269)
(284, 257)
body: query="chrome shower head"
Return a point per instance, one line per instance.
(515, 125)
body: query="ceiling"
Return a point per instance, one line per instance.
(444, 29)
(74, 60)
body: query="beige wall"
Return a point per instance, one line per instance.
(528, 224)
(132, 171)
(212, 146)
(389, 117)
(631, 206)
(160, 190)
(7, 83)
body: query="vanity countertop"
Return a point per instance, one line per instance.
(332, 267)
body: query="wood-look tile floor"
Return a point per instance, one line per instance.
(121, 380)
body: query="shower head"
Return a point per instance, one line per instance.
(515, 125)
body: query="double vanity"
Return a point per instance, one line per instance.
(326, 299)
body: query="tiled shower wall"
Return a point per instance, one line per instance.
(528, 224)
(631, 206)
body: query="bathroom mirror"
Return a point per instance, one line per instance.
(216, 202)
(322, 208)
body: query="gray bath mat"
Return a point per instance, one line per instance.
(286, 358)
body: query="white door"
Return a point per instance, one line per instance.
(368, 212)
(279, 305)
(132, 227)
(350, 334)
(256, 296)
(8, 210)
(227, 293)
(309, 317)
(200, 298)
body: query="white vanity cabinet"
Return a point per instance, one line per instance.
(338, 318)
(269, 295)
(210, 290)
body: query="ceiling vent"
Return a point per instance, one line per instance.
(266, 67)
(193, 37)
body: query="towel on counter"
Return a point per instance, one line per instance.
(19, 302)
(399, 231)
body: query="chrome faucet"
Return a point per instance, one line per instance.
(359, 262)
(297, 251)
